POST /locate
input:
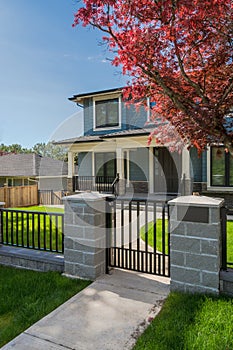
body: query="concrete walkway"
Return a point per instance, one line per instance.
(108, 315)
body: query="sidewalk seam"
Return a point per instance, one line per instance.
(47, 340)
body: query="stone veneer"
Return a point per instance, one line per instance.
(195, 244)
(85, 235)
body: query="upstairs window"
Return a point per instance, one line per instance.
(221, 167)
(106, 113)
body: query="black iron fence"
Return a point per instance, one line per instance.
(138, 236)
(35, 230)
(106, 184)
(227, 237)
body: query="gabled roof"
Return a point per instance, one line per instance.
(80, 97)
(31, 165)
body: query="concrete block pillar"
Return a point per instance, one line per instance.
(2, 204)
(85, 235)
(195, 244)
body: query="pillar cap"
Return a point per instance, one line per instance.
(87, 197)
(197, 201)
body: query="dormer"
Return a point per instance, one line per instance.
(105, 112)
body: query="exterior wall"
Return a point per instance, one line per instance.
(139, 165)
(31, 259)
(135, 118)
(85, 164)
(198, 170)
(55, 183)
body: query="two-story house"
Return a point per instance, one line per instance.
(115, 143)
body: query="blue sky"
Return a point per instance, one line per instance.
(44, 61)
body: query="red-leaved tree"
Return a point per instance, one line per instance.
(177, 52)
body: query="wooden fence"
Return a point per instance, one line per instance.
(19, 196)
(50, 197)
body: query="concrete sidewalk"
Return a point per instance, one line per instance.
(108, 315)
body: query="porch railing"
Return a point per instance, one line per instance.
(105, 184)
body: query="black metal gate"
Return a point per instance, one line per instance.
(138, 236)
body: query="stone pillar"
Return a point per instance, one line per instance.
(195, 244)
(2, 204)
(85, 235)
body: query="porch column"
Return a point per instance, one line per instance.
(186, 173)
(151, 170)
(120, 169)
(70, 171)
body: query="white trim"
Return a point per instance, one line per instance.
(219, 189)
(102, 98)
(50, 177)
(151, 170)
(93, 163)
(214, 188)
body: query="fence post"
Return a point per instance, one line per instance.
(2, 204)
(195, 244)
(85, 235)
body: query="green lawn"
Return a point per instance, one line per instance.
(150, 234)
(26, 296)
(42, 208)
(159, 237)
(33, 230)
(190, 322)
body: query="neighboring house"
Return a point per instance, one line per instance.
(115, 141)
(30, 168)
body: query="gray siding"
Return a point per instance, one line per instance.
(85, 164)
(139, 165)
(55, 184)
(199, 165)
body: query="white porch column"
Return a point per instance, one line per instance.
(71, 156)
(120, 162)
(151, 170)
(128, 167)
(186, 172)
(120, 170)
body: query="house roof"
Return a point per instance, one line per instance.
(101, 138)
(31, 165)
(80, 139)
(80, 97)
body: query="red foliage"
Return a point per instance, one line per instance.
(179, 53)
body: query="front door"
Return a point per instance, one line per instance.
(167, 170)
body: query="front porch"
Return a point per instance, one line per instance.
(128, 166)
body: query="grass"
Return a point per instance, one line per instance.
(159, 239)
(159, 246)
(190, 322)
(230, 242)
(34, 230)
(27, 296)
(41, 208)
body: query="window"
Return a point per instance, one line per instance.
(106, 113)
(221, 167)
(105, 164)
